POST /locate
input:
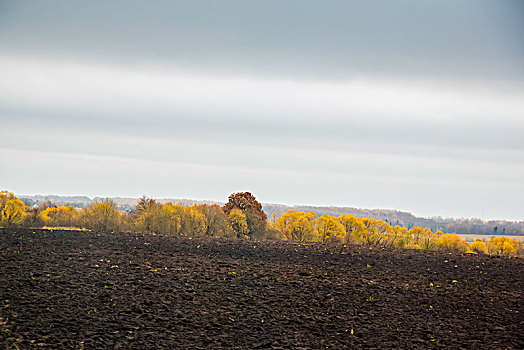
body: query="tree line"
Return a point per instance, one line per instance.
(396, 217)
(243, 217)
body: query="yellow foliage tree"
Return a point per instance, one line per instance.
(103, 217)
(414, 235)
(148, 215)
(238, 221)
(330, 229)
(508, 248)
(354, 227)
(216, 222)
(451, 242)
(255, 215)
(197, 223)
(402, 236)
(60, 216)
(519, 248)
(168, 219)
(172, 218)
(478, 246)
(12, 210)
(378, 232)
(428, 239)
(503, 246)
(297, 226)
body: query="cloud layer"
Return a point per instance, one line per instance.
(420, 110)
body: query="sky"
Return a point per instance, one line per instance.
(409, 105)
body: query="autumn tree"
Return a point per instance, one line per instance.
(503, 246)
(12, 210)
(353, 226)
(146, 213)
(33, 217)
(255, 216)
(103, 217)
(330, 229)
(60, 216)
(428, 239)
(238, 221)
(272, 230)
(478, 246)
(216, 221)
(171, 217)
(402, 236)
(519, 248)
(451, 242)
(195, 222)
(127, 222)
(415, 235)
(297, 226)
(156, 218)
(274, 218)
(508, 249)
(378, 232)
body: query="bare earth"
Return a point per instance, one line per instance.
(67, 289)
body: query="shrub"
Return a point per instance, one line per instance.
(478, 246)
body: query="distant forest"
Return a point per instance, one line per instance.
(243, 217)
(393, 217)
(408, 220)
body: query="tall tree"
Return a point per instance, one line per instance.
(216, 221)
(103, 216)
(12, 210)
(255, 216)
(354, 227)
(297, 226)
(330, 229)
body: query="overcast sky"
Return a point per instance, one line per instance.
(409, 105)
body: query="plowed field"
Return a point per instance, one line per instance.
(68, 289)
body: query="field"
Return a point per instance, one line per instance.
(63, 289)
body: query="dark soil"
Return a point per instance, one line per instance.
(67, 289)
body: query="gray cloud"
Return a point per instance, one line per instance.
(334, 40)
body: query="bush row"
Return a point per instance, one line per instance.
(242, 217)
